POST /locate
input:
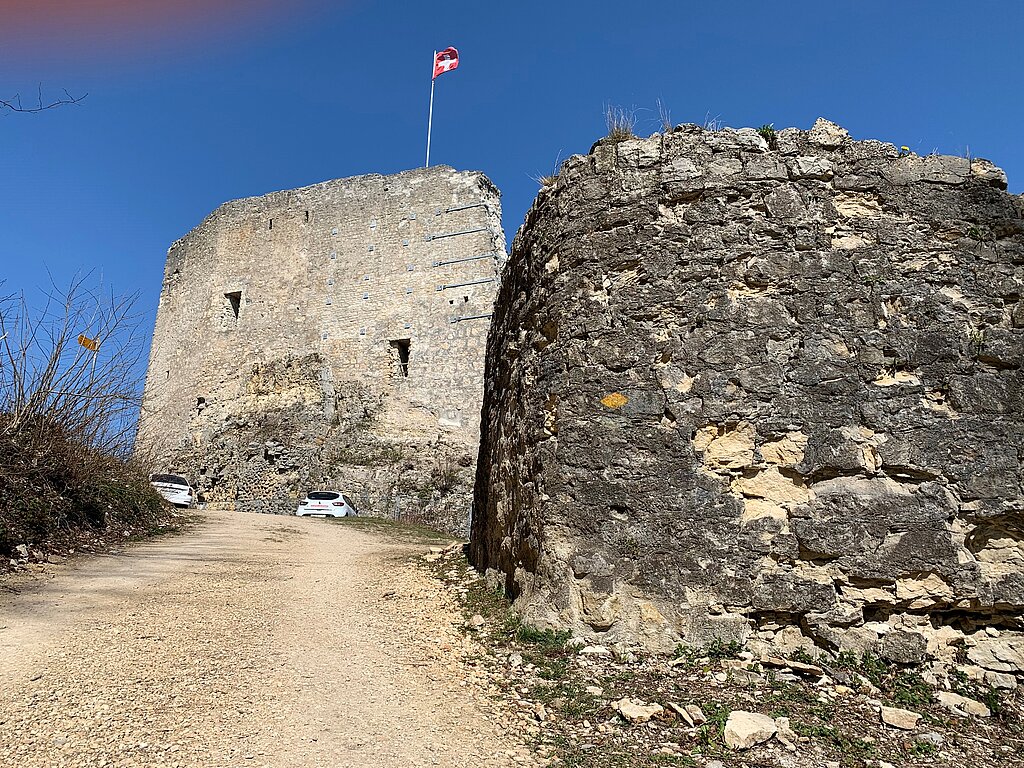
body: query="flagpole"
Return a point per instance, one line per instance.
(430, 114)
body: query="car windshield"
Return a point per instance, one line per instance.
(174, 479)
(323, 496)
(348, 501)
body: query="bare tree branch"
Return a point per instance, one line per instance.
(48, 380)
(14, 104)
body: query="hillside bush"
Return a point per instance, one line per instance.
(67, 417)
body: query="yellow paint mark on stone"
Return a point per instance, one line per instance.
(614, 400)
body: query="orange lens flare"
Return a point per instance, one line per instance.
(59, 25)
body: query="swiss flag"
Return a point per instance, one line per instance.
(445, 61)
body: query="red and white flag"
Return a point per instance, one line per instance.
(445, 61)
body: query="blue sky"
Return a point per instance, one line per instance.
(184, 115)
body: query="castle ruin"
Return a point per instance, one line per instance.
(766, 388)
(329, 336)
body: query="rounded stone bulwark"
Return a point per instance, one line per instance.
(763, 387)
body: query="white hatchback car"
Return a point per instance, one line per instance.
(326, 504)
(175, 489)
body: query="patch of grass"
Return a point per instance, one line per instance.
(848, 746)
(714, 651)
(709, 735)
(987, 695)
(369, 456)
(795, 694)
(620, 123)
(922, 749)
(664, 117)
(802, 656)
(395, 529)
(901, 687)
(767, 132)
(544, 638)
(712, 123)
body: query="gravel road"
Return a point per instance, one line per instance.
(250, 641)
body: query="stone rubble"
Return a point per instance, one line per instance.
(732, 708)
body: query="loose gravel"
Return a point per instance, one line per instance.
(248, 641)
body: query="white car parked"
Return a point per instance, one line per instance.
(326, 504)
(175, 489)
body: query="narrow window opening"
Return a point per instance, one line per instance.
(465, 299)
(271, 225)
(401, 347)
(307, 217)
(200, 404)
(234, 301)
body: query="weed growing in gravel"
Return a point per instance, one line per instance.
(990, 697)
(902, 687)
(709, 735)
(541, 637)
(922, 749)
(846, 745)
(709, 654)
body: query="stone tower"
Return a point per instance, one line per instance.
(329, 336)
(766, 388)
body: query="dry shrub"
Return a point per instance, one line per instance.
(67, 418)
(620, 122)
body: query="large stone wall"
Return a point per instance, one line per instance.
(329, 336)
(763, 388)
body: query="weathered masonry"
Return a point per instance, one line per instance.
(329, 336)
(767, 388)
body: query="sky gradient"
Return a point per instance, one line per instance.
(218, 100)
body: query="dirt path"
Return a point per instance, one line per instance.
(252, 641)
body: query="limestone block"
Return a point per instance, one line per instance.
(998, 654)
(903, 647)
(827, 135)
(726, 447)
(986, 171)
(810, 167)
(635, 711)
(903, 719)
(772, 485)
(762, 167)
(852, 205)
(786, 452)
(962, 705)
(744, 730)
(934, 168)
